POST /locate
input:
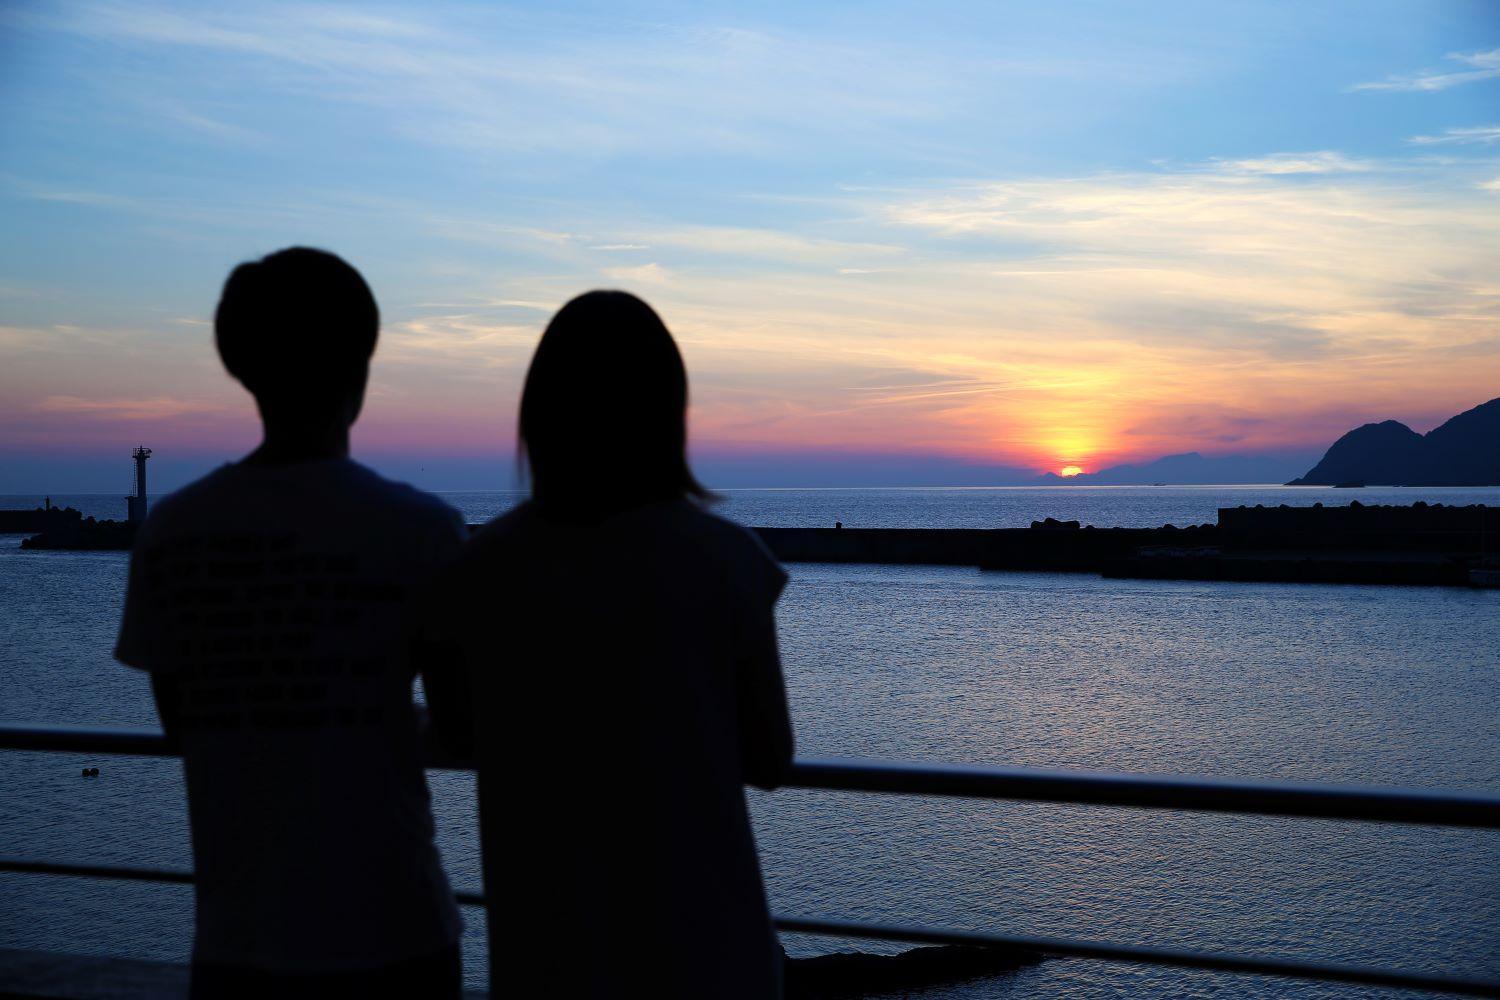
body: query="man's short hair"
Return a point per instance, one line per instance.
(298, 324)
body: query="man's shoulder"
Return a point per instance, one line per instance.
(234, 496)
(401, 498)
(204, 486)
(204, 494)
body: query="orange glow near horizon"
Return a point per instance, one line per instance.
(1073, 440)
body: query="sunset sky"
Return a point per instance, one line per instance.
(970, 237)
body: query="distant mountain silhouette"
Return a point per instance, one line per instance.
(1188, 469)
(1464, 451)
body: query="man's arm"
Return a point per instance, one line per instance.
(143, 623)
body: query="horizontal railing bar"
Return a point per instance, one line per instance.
(86, 739)
(1101, 788)
(1141, 954)
(128, 873)
(96, 871)
(1264, 798)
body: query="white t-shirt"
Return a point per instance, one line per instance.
(278, 599)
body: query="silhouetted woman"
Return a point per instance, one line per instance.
(622, 685)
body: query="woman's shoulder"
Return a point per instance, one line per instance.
(695, 520)
(735, 544)
(669, 524)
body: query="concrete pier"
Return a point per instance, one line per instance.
(1417, 545)
(1420, 544)
(1062, 548)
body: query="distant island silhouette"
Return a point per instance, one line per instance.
(1464, 451)
(1188, 469)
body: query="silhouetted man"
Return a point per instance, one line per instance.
(269, 602)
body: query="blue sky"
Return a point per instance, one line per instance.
(988, 235)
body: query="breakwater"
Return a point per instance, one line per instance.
(67, 529)
(1416, 544)
(1420, 544)
(1063, 546)
(1420, 527)
(15, 522)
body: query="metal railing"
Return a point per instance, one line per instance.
(1299, 799)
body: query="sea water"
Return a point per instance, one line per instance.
(1382, 685)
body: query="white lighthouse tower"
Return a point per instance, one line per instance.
(135, 506)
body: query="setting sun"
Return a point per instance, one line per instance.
(1070, 470)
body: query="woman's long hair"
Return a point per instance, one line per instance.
(604, 410)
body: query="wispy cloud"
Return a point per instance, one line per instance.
(178, 113)
(75, 196)
(156, 408)
(1323, 161)
(778, 245)
(475, 339)
(644, 274)
(603, 85)
(1478, 66)
(1474, 135)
